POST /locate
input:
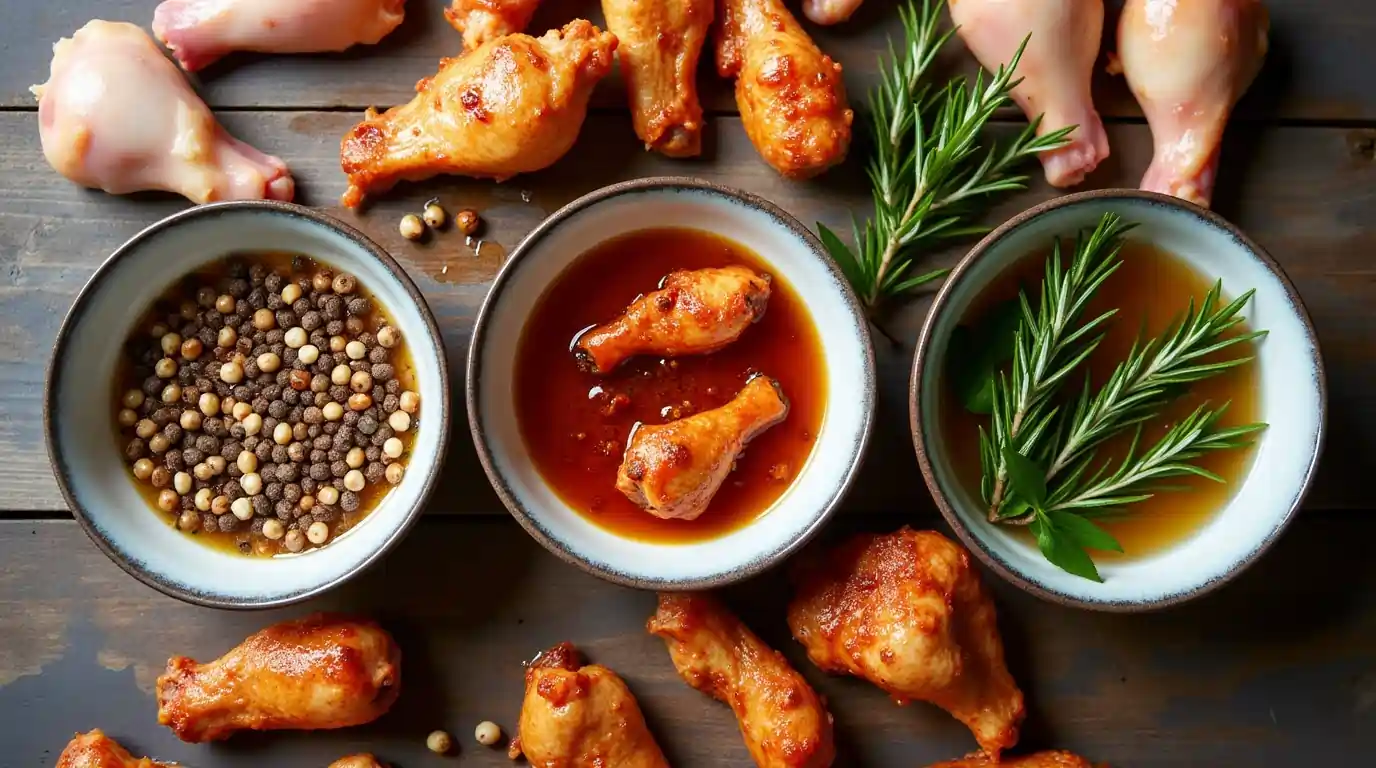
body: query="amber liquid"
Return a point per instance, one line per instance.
(575, 442)
(1151, 290)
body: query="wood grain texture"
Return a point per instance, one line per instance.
(1316, 69)
(1306, 194)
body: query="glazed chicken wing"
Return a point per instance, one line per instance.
(96, 750)
(907, 612)
(577, 716)
(481, 21)
(658, 45)
(673, 470)
(784, 722)
(693, 313)
(790, 95)
(116, 115)
(510, 106)
(323, 671)
(1039, 760)
(200, 31)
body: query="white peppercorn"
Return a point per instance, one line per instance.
(209, 403)
(439, 742)
(361, 381)
(394, 472)
(143, 468)
(146, 428)
(318, 533)
(133, 398)
(332, 411)
(264, 319)
(487, 733)
(219, 505)
(127, 417)
(290, 293)
(388, 336)
(181, 483)
(232, 372)
(356, 350)
(399, 421)
(242, 508)
(192, 349)
(360, 402)
(328, 495)
(355, 457)
(171, 343)
(337, 343)
(159, 443)
(224, 303)
(409, 401)
(308, 354)
(240, 411)
(344, 283)
(165, 368)
(273, 529)
(269, 362)
(434, 214)
(168, 500)
(340, 375)
(203, 499)
(189, 520)
(216, 464)
(227, 337)
(392, 448)
(252, 483)
(295, 540)
(253, 423)
(411, 227)
(296, 337)
(172, 393)
(353, 480)
(190, 420)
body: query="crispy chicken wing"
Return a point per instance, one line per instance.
(658, 45)
(791, 96)
(693, 313)
(581, 717)
(323, 671)
(673, 470)
(907, 612)
(357, 761)
(784, 722)
(510, 106)
(481, 21)
(96, 750)
(1056, 759)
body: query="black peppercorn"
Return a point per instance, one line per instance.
(227, 523)
(348, 501)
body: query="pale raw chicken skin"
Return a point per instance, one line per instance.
(116, 115)
(1188, 64)
(1055, 69)
(200, 31)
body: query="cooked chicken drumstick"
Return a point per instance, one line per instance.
(673, 470)
(481, 21)
(581, 717)
(790, 95)
(510, 106)
(1038, 760)
(658, 45)
(200, 31)
(1055, 69)
(116, 115)
(693, 313)
(907, 612)
(1188, 64)
(96, 750)
(323, 671)
(784, 722)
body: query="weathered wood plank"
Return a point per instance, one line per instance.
(1304, 193)
(1320, 50)
(1222, 682)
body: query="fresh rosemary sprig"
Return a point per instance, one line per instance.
(928, 169)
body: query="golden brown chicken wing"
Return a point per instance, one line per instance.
(323, 671)
(693, 313)
(357, 761)
(581, 717)
(480, 21)
(673, 470)
(658, 45)
(784, 722)
(96, 750)
(790, 94)
(510, 106)
(1039, 760)
(907, 612)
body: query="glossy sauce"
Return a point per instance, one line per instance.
(576, 436)
(1151, 289)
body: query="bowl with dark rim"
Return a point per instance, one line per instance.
(1292, 401)
(790, 252)
(79, 417)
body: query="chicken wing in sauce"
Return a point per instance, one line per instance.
(673, 470)
(510, 106)
(907, 612)
(96, 750)
(581, 717)
(784, 722)
(480, 21)
(658, 45)
(692, 313)
(323, 671)
(790, 95)
(1039, 760)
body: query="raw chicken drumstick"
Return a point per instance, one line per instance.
(200, 31)
(784, 722)
(693, 313)
(658, 45)
(907, 612)
(576, 716)
(323, 671)
(1188, 64)
(116, 115)
(790, 95)
(1055, 69)
(673, 470)
(96, 750)
(1038, 760)
(511, 106)
(480, 21)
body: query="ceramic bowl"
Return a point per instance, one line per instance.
(79, 419)
(792, 253)
(1292, 401)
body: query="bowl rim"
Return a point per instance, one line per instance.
(919, 437)
(76, 314)
(869, 395)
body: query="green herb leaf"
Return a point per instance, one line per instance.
(1026, 480)
(1061, 551)
(1083, 532)
(977, 353)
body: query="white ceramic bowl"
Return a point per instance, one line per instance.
(1292, 402)
(791, 252)
(79, 421)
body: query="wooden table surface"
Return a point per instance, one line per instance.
(1276, 669)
